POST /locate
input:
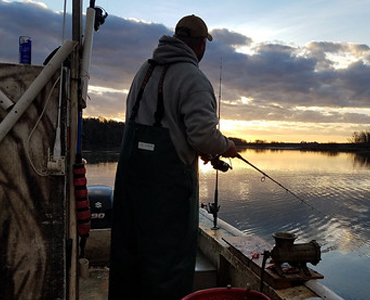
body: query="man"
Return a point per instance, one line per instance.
(170, 120)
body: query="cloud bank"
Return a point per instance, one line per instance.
(323, 84)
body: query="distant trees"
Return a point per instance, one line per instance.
(101, 134)
(361, 137)
(106, 134)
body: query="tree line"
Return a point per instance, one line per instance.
(107, 135)
(101, 134)
(361, 137)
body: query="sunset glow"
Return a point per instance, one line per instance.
(281, 78)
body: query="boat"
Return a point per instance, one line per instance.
(44, 217)
(226, 257)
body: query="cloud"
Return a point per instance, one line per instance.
(31, 19)
(230, 39)
(120, 47)
(281, 82)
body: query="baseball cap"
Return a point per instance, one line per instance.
(192, 26)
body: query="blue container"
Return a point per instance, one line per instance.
(25, 45)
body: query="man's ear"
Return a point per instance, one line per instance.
(201, 49)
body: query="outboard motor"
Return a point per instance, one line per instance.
(101, 206)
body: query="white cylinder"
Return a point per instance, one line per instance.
(5, 102)
(86, 53)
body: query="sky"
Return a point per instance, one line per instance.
(287, 71)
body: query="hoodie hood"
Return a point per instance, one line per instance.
(172, 50)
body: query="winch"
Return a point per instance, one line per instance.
(296, 255)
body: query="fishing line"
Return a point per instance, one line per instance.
(279, 184)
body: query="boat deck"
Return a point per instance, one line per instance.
(217, 265)
(96, 285)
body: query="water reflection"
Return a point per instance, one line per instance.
(335, 185)
(362, 159)
(101, 167)
(95, 157)
(334, 189)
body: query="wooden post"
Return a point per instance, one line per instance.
(73, 290)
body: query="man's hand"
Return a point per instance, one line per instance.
(205, 157)
(231, 152)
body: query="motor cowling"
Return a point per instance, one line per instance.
(101, 206)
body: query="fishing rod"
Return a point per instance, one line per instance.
(214, 207)
(279, 184)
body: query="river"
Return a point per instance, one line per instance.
(331, 204)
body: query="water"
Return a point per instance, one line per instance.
(335, 210)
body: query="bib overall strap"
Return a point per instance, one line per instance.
(158, 115)
(160, 106)
(149, 72)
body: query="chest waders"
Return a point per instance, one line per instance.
(155, 219)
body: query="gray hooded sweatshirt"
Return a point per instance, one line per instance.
(189, 101)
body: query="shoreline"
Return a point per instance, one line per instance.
(317, 147)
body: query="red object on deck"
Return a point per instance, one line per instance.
(226, 294)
